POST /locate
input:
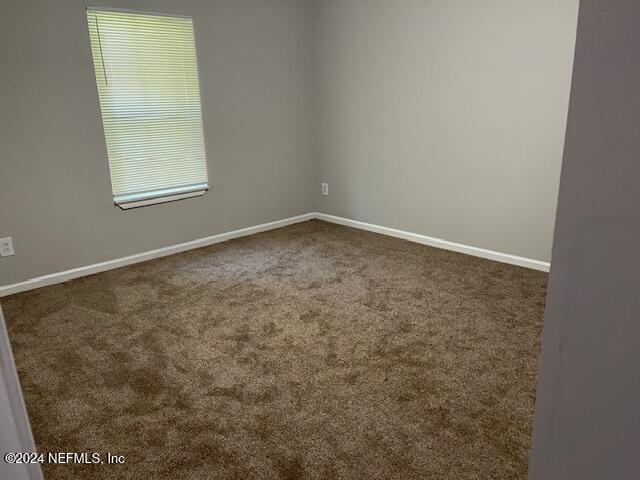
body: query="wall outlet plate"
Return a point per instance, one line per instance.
(325, 189)
(6, 247)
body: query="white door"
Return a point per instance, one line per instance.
(15, 430)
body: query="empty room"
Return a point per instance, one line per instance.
(319, 239)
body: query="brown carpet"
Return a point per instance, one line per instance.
(310, 352)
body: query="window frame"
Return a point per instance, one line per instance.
(170, 194)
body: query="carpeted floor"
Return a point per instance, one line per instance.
(310, 352)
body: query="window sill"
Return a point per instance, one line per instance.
(127, 202)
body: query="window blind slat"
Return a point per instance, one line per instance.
(147, 77)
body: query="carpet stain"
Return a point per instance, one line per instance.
(313, 352)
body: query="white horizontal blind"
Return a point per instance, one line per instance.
(147, 75)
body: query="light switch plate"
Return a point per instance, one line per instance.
(6, 247)
(325, 189)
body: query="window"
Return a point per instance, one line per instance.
(147, 75)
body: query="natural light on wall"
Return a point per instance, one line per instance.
(147, 75)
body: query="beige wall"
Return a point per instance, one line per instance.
(440, 117)
(445, 117)
(55, 190)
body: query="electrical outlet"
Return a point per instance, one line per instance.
(325, 189)
(6, 247)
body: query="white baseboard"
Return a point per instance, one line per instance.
(67, 275)
(438, 243)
